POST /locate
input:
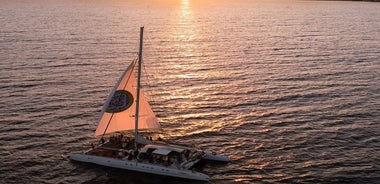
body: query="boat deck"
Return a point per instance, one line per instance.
(124, 149)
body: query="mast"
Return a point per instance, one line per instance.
(138, 86)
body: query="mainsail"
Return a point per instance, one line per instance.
(118, 113)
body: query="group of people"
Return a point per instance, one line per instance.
(122, 141)
(128, 152)
(129, 155)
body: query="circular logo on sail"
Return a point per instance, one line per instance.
(120, 101)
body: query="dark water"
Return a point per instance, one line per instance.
(288, 89)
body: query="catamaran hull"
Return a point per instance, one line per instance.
(140, 167)
(208, 155)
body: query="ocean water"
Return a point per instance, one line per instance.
(288, 89)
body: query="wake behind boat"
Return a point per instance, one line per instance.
(126, 102)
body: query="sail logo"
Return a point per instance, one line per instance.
(121, 100)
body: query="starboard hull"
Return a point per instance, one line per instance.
(207, 155)
(140, 167)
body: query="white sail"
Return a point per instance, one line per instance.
(118, 113)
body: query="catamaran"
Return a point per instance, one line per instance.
(126, 109)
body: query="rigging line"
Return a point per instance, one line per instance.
(149, 76)
(105, 130)
(129, 77)
(149, 81)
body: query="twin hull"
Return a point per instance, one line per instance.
(140, 167)
(207, 155)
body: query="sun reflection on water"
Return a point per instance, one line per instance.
(186, 50)
(185, 30)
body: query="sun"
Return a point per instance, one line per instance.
(185, 2)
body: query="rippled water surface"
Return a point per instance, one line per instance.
(288, 89)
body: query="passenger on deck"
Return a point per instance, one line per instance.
(135, 153)
(126, 141)
(120, 154)
(121, 137)
(187, 154)
(112, 139)
(183, 158)
(130, 156)
(150, 158)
